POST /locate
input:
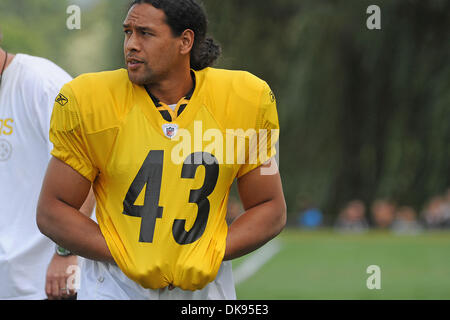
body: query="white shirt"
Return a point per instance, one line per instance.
(27, 94)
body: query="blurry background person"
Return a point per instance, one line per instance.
(28, 87)
(437, 212)
(310, 216)
(446, 208)
(352, 218)
(406, 221)
(383, 213)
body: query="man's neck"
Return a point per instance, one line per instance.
(170, 91)
(2, 59)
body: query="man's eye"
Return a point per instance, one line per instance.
(127, 31)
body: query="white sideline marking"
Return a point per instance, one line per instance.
(255, 261)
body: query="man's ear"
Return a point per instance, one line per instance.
(187, 41)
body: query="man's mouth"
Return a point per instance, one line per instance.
(134, 63)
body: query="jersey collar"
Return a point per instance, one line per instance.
(168, 113)
(149, 107)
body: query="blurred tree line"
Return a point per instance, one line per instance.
(364, 114)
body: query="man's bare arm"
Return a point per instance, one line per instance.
(56, 278)
(58, 217)
(264, 217)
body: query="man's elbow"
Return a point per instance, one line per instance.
(43, 219)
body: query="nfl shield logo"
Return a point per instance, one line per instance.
(170, 130)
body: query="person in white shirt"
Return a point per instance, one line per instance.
(30, 269)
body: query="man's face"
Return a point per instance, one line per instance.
(151, 50)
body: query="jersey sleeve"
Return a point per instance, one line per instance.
(44, 112)
(267, 131)
(67, 136)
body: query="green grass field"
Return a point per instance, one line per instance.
(329, 265)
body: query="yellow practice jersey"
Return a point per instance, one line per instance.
(162, 187)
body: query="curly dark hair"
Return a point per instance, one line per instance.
(189, 14)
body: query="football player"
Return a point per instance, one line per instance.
(159, 143)
(31, 268)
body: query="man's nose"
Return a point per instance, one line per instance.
(132, 43)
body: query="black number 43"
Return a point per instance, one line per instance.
(150, 174)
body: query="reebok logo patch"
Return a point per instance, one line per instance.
(61, 99)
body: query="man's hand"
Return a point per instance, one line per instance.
(56, 286)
